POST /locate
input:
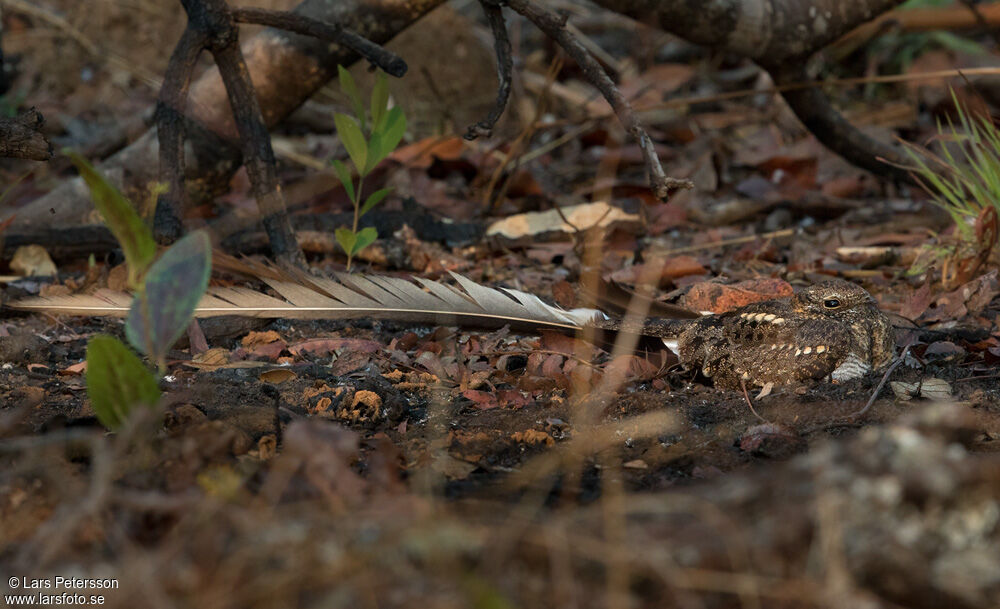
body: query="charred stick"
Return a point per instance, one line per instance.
(555, 27)
(258, 156)
(377, 55)
(167, 223)
(501, 44)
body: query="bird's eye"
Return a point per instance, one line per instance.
(831, 303)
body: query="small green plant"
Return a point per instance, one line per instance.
(368, 140)
(167, 290)
(963, 178)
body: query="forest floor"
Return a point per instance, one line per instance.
(367, 463)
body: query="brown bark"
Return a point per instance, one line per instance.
(286, 70)
(768, 31)
(20, 137)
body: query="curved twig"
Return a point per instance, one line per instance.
(813, 108)
(501, 43)
(555, 27)
(376, 54)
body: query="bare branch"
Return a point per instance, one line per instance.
(167, 225)
(390, 63)
(814, 109)
(555, 27)
(501, 43)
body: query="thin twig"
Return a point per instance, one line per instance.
(746, 396)
(885, 377)
(377, 55)
(501, 44)
(555, 27)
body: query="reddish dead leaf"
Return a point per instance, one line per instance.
(423, 153)
(943, 348)
(74, 369)
(552, 366)
(771, 440)
(971, 298)
(432, 363)
(325, 346)
(665, 216)
(270, 351)
(632, 367)
(848, 187)
(917, 303)
(405, 342)
(540, 384)
(791, 174)
(349, 361)
(483, 400)
(512, 398)
(674, 267)
(196, 338)
(718, 298)
(564, 294)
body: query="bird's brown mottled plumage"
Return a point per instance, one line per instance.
(832, 329)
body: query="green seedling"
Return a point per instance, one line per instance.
(167, 290)
(963, 178)
(368, 142)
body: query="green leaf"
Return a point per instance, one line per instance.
(395, 128)
(345, 177)
(365, 237)
(124, 222)
(374, 199)
(353, 140)
(174, 285)
(346, 238)
(380, 100)
(375, 153)
(117, 381)
(348, 86)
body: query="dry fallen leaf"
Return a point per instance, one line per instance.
(34, 260)
(277, 376)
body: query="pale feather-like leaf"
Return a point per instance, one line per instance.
(303, 296)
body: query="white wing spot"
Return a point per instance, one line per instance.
(807, 350)
(821, 349)
(852, 367)
(778, 320)
(769, 317)
(798, 352)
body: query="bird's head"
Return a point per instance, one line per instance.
(835, 298)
